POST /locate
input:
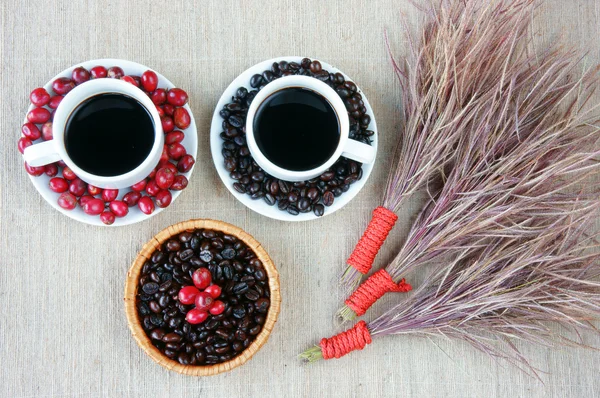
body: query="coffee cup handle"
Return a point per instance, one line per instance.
(41, 154)
(358, 151)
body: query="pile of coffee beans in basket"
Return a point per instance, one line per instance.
(303, 196)
(244, 292)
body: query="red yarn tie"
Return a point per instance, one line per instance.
(373, 289)
(369, 244)
(341, 344)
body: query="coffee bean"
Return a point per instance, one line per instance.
(150, 287)
(240, 288)
(328, 198)
(262, 305)
(171, 338)
(293, 210)
(252, 295)
(319, 210)
(256, 80)
(157, 334)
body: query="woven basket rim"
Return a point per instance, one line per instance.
(133, 318)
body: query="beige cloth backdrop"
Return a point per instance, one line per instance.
(62, 325)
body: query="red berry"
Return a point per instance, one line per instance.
(152, 188)
(185, 164)
(159, 96)
(180, 183)
(187, 295)
(202, 278)
(181, 118)
(51, 169)
(149, 81)
(114, 72)
(24, 142)
(68, 174)
(58, 185)
(61, 163)
(168, 165)
(176, 151)
(139, 186)
(108, 195)
(138, 81)
(119, 208)
(98, 72)
(80, 75)
(77, 187)
(39, 97)
(132, 198)
(164, 156)
(107, 217)
(31, 131)
(131, 80)
(163, 198)
(47, 134)
(177, 97)
(164, 178)
(214, 291)
(84, 199)
(160, 111)
(217, 308)
(146, 205)
(93, 206)
(38, 115)
(167, 123)
(55, 101)
(174, 137)
(204, 301)
(92, 190)
(63, 85)
(34, 171)
(195, 316)
(67, 201)
(169, 109)
(152, 173)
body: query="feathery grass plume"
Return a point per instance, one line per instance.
(465, 48)
(507, 288)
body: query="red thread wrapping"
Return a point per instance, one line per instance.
(373, 289)
(369, 244)
(355, 338)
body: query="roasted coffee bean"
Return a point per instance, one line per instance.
(319, 209)
(328, 198)
(255, 330)
(262, 305)
(240, 288)
(173, 246)
(269, 199)
(185, 255)
(150, 287)
(171, 338)
(239, 311)
(157, 334)
(293, 210)
(252, 295)
(304, 204)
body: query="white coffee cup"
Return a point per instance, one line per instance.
(55, 150)
(347, 147)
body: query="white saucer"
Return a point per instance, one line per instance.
(259, 206)
(190, 142)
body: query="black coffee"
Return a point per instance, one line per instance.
(109, 134)
(296, 129)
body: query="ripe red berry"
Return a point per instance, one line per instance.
(160, 111)
(164, 156)
(93, 206)
(63, 85)
(204, 301)
(119, 208)
(214, 291)
(55, 101)
(146, 205)
(24, 142)
(39, 97)
(67, 201)
(139, 186)
(84, 199)
(114, 72)
(176, 151)
(202, 278)
(195, 316)
(31, 131)
(177, 97)
(80, 75)
(168, 109)
(38, 115)
(34, 171)
(159, 96)
(185, 164)
(47, 134)
(132, 198)
(167, 165)
(77, 187)
(68, 174)
(107, 217)
(98, 72)
(164, 178)
(217, 308)
(108, 195)
(163, 198)
(51, 169)
(92, 190)
(149, 81)
(152, 188)
(167, 123)
(174, 137)
(180, 183)
(131, 80)
(187, 295)
(181, 118)
(58, 185)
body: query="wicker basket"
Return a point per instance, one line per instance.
(131, 290)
